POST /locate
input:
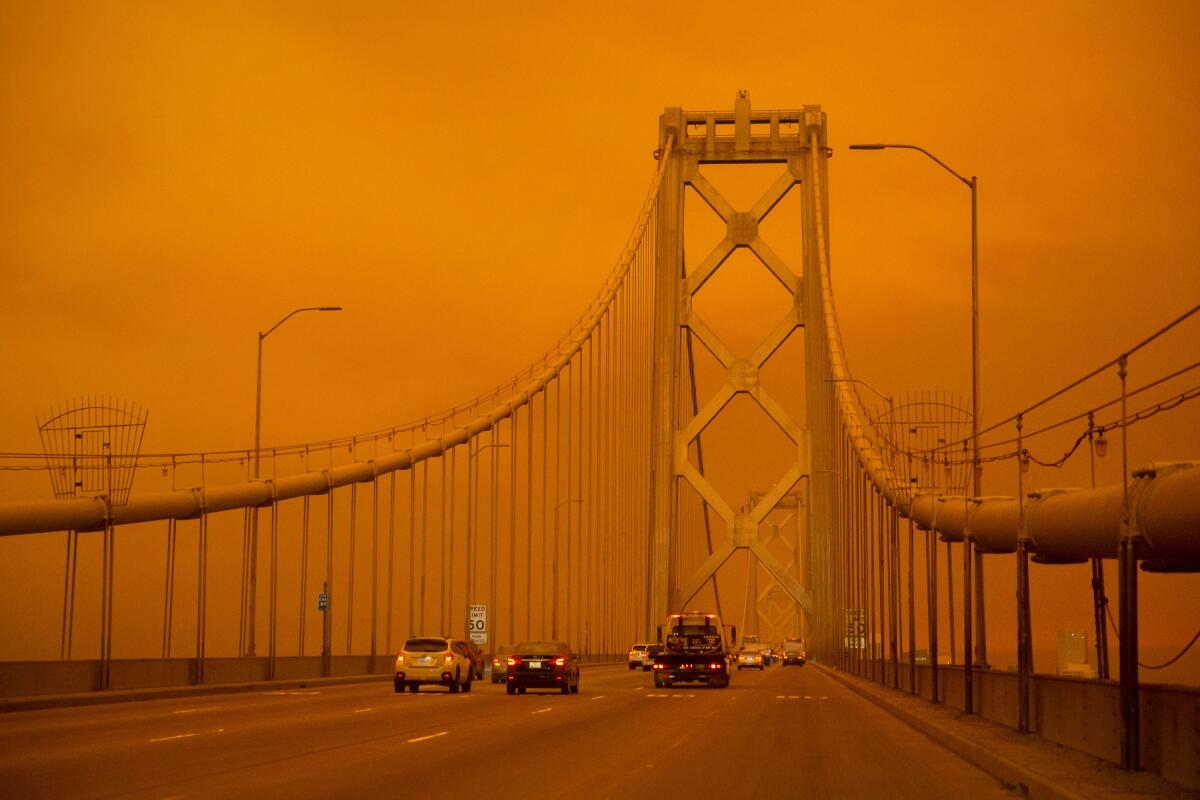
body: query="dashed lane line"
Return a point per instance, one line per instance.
(173, 738)
(598, 697)
(362, 710)
(430, 736)
(541, 710)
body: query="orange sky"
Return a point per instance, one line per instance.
(178, 176)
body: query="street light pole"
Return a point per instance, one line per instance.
(971, 183)
(253, 581)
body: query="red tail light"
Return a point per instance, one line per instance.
(449, 658)
(560, 661)
(714, 665)
(513, 661)
(400, 658)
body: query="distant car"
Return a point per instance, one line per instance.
(433, 660)
(794, 652)
(542, 665)
(477, 659)
(637, 655)
(500, 663)
(750, 659)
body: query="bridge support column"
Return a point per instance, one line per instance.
(668, 273)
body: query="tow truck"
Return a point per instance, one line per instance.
(694, 648)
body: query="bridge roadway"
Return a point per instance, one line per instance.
(784, 732)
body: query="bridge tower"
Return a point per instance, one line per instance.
(796, 140)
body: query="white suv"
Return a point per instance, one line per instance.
(640, 656)
(442, 662)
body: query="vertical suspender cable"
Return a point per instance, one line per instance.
(302, 605)
(529, 522)
(452, 516)
(512, 530)
(568, 629)
(387, 637)
(350, 570)
(424, 533)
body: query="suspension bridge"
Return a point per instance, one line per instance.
(577, 501)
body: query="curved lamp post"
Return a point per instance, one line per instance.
(971, 183)
(253, 587)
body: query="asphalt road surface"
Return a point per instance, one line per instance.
(785, 732)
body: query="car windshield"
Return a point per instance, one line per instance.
(640, 647)
(425, 645)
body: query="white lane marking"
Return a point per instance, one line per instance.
(598, 697)
(361, 710)
(823, 697)
(172, 738)
(793, 697)
(541, 710)
(808, 697)
(430, 736)
(281, 693)
(638, 689)
(780, 697)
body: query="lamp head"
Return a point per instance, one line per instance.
(868, 146)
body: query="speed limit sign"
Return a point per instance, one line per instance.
(477, 623)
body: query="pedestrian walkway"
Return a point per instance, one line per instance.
(1026, 762)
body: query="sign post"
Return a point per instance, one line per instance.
(477, 623)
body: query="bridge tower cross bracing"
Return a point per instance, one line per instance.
(795, 139)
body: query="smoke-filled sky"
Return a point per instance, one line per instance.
(461, 179)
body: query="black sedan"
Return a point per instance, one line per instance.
(542, 665)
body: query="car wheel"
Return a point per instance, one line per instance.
(633, 666)
(413, 687)
(520, 690)
(575, 688)
(510, 689)
(657, 682)
(466, 687)
(399, 686)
